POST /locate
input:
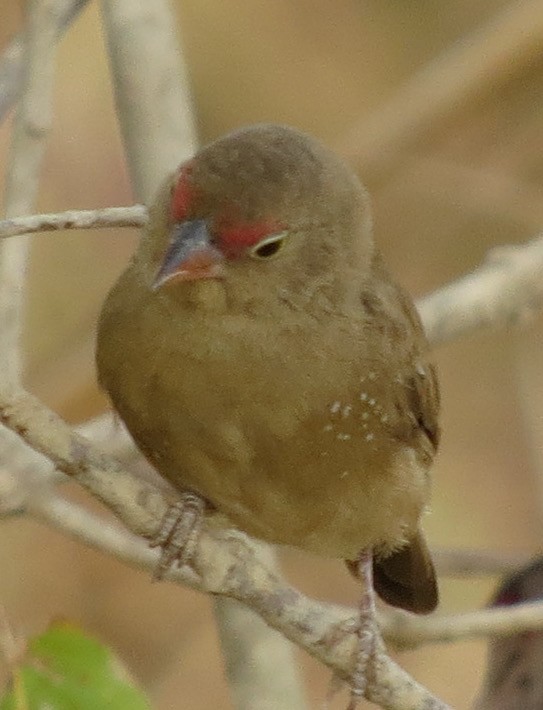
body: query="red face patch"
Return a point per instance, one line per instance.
(235, 238)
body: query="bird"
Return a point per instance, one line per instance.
(270, 368)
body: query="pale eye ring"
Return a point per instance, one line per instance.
(269, 246)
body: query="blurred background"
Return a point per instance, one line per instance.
(473, 181)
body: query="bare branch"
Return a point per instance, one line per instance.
(405, 631)
(151, 89)
(32, 124)
(229, 564)
(506, 290)
(11, 61)
(108, 217)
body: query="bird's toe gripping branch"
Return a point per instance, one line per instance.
(179, 532)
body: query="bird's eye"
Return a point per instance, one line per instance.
(269, 246)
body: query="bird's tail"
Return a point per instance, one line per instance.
(407, 578)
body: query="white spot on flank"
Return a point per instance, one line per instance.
(347, 409)
(365, 415)
(370, 437)
(421, 371)
(335, 407)
(371, 402)
(363, 396)
(372, 376)
(343, 474)
(384, 418)
(343, 437)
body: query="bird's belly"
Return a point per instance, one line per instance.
(288, 455)
(331, 496)
(336, 506)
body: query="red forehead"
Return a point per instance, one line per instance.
(234, 235)
(183, 194)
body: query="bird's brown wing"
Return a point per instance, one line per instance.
(407, 578)
(423, 401)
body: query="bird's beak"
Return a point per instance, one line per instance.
(190, 255)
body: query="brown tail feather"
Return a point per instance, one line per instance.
(406, 578)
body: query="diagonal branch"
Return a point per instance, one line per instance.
(505, 290)
(229, 566)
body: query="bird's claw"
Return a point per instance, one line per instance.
(179, 533)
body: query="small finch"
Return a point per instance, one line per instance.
(269, 367)
(514, 680)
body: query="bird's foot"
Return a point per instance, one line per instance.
(366, 632)
(179, 532)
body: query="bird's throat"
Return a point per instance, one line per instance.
(204, 295)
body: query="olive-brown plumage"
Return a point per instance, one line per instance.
(262, 357)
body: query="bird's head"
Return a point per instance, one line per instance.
(266, 203)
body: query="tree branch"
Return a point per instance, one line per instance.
(505, 290)
(12, 59)
(405, 631)
(109, 217)
(228, 564)
(151, 90)
(32, 124)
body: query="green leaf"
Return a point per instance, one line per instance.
(64, 669)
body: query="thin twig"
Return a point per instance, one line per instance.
(11, 61)
(405, 631)
(108, 217)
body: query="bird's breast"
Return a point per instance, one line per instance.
(287, 430)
